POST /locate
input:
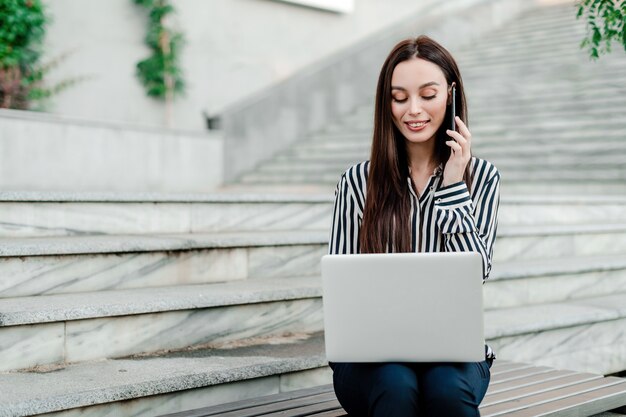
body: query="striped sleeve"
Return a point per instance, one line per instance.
(344, 234)
(469, 226)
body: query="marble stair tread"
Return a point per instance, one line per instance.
(75, 385)
(499, 322)
(77, 245)
(558, 266)
(511, 175)
(251, 197)
(71, 386)
(492, 130)
(612, 165)
(492, 137)
(67, 245)
(86, 305)
(142, 197)
(535, 318)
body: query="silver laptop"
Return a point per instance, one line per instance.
(406, 307)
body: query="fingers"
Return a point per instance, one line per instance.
(462, 138)
(463, 129)
(457, 136)
(456, 148)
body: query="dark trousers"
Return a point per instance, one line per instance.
(411, 389)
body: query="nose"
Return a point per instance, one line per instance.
(414, 107)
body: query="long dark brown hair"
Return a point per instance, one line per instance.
(386, 223)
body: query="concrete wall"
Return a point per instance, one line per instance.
(40, 152)
(234, 48)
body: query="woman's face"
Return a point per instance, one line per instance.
(419, 93)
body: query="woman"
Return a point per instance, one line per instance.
(421, 191)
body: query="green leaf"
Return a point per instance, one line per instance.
(153, 71)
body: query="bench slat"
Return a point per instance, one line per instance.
(282, 406)
(586, 404)
(519, 374)
(332, 413)
(332, 405)
(530, 380)
(253, 402)
(516, 390)
(546, 397)
(539, 388)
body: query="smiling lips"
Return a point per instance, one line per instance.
(416, 125)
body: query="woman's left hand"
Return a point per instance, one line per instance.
(460, 153)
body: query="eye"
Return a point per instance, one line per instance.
(398, 100)
(429, 97)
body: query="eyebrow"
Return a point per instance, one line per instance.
(421, 86)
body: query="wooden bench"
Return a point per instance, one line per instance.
(516, 389)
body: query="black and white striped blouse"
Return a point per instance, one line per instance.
(443, 219)
(452, 218)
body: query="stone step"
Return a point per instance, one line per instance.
(542, 187)
(328, 154)
(557, 122)
(560, 209)
(498, 112)
(575, 110)
(75, 214)
(576, 64)
(542, 16)
(521, 283)
(45, 266)
(514, 151)
(27, 214)
(562, 126)
(582, 335)
(486, 135)
(555, 95)
(60, 329)
(513, 186)
(109, 324)
(154, 385)
(592, 148)
(555, 36)
(550, 37)
(543, 161)
(351, 147)
(556, 54)
(585, 335)
(59, 265)
(557, 76)
(564, 44)
(596, 275)
(612, 174)
(568, 55)
(524, 26)
(502, 94)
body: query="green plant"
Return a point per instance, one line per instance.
(22, 29)
(160, 73)
(612, 25)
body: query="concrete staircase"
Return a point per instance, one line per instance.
(549, 118)
(140, 305)
(97, 319)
